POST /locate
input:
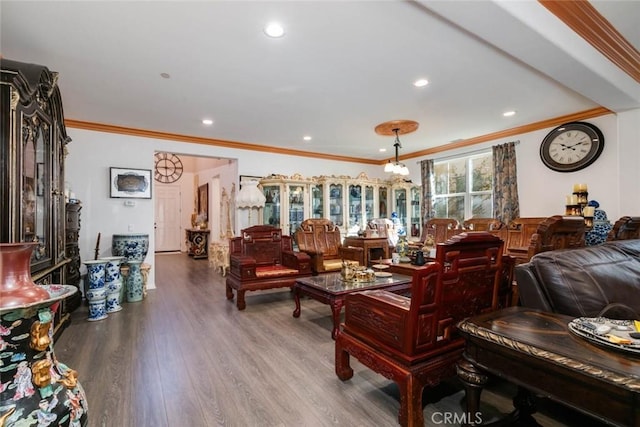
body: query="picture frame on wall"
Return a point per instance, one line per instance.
(130, 183)
(203, 201)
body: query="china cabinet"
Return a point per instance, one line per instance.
(405, 202)
(289, 200)
(349, 202)
(34, 139)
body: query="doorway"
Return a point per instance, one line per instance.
(168, 202)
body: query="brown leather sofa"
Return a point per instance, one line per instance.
(602, 280)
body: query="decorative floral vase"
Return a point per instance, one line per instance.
(113, 282)
(35, 388)
(135, 288)
(130, 246)
(97, 293)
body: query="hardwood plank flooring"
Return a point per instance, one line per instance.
(186, 357)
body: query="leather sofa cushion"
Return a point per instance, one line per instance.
(582, 282)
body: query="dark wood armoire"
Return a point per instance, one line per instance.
(32, 154)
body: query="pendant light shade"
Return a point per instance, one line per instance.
(396, 127)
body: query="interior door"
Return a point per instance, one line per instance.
(168, 233)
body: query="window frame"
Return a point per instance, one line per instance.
(468, 193)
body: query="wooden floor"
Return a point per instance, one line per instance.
(186, 357)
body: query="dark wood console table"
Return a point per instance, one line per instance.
(197, 243)
(536, 351)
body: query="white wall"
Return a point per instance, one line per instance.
(612, 179)
(91, 154)
(542, 191)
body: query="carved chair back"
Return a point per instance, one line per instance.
(627, 227)
(558, 232)
(482, 224)
(319, 235)
(441, 229)
(264, 243)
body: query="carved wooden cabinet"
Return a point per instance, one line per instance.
(32, 205)
(349, 202)
(197, 242)
(72, 251)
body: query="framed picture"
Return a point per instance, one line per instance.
(130, 183)
(248, 178)
(203, 201)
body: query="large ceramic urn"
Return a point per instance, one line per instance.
(35, 388)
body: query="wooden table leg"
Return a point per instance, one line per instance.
(296, 298)
(336, 308)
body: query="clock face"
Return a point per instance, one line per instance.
(168, 168)
(571, 147)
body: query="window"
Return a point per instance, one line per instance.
(464, 187)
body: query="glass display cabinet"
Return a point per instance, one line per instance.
(415, 212)
(317, 200)
(336, 204)
(32, 200)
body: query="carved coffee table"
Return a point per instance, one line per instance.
(329, 288)
(536, 351)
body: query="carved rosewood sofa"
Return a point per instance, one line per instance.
(413, 340)
(262, 258)
(320, 239)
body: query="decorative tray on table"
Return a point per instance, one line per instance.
(623, 335)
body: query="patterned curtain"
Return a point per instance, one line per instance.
(427, 176)
(506, 206)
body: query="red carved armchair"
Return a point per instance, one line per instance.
(262, 258)
(627, 227)
(320, 239)
(413, 340)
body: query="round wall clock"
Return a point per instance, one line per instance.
(168, 168)
(572, 146)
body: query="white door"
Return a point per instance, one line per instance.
(168, 202)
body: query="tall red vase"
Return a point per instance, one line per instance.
(35, 388)
(16, 286)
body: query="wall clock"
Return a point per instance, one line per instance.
(572, 146)
(168, 168)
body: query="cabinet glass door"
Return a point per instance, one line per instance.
(335, 204)
(355, 206)
(317, 201)
(368, 204)
(296, 207)
(382, 208)
(400, 197)
(36, 194)
(272, 205)
(415, 212)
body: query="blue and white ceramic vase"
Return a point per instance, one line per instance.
(135, 282)
(35, 388)
(131, 246)
(113, 282)
(96, 292)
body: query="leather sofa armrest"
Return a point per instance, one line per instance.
(242, 266)
(530, 290)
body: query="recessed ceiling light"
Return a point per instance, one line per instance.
(207, 122)
(382, 150)
(307, 138)
(509, 113)
(421, 83)
(165, 75)
(273, 29)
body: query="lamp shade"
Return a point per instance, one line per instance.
(250, 195)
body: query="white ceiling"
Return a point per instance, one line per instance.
(342, 67)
